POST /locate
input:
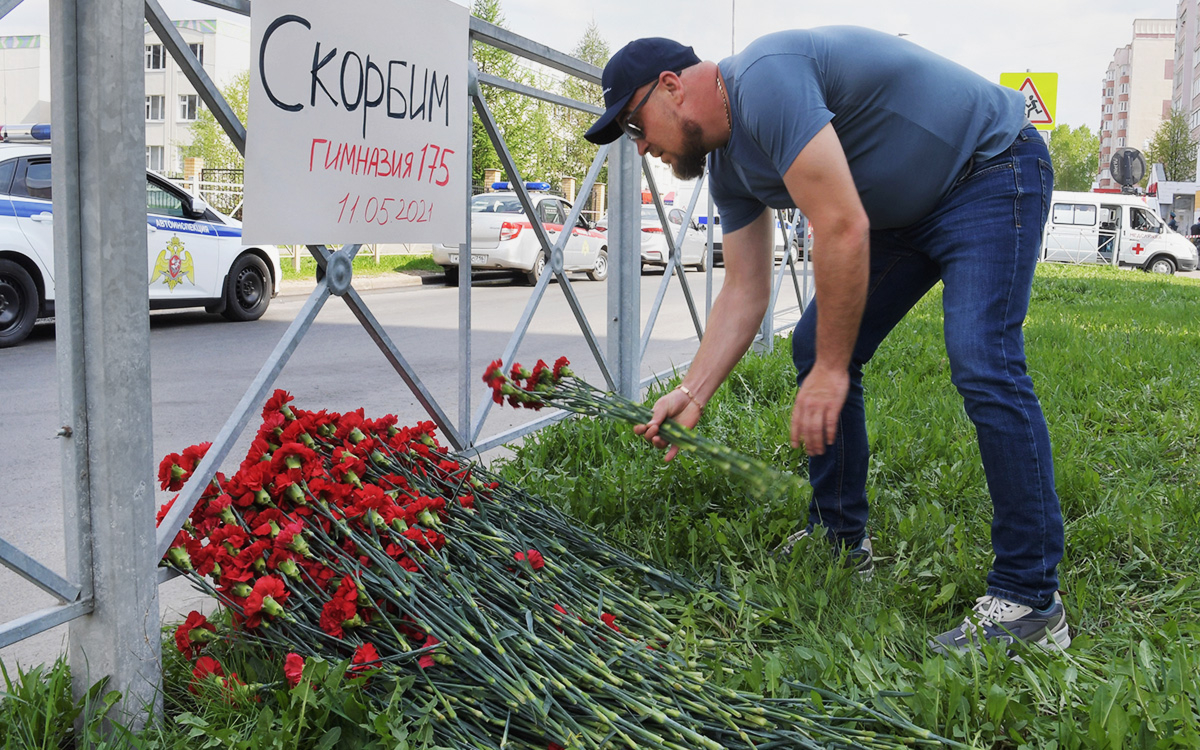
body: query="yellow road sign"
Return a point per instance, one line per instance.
(1041, 95)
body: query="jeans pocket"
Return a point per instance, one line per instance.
(1046, 172)
(987, 168)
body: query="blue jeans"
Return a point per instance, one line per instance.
(982, 242)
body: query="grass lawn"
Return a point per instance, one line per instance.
(364, 265)
(1115, 357)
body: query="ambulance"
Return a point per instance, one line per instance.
(1120, 230)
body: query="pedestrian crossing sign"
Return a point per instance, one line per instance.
(1041, 95)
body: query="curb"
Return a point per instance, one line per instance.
(304, 287)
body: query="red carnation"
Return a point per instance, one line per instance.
(610, 620)
(191, 636)
(365, 659)
(535, 559)
(426, 661)
(278, 403)
(560, 368)
(293, 668)
(171, 476)
(267, 598)
(164, 510)
(336, 613)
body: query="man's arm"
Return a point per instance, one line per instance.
(736, 315)
(822, 187)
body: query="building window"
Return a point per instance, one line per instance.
(1122, 106)
(154, 108)
(1123, 89)
(1120, 143)
(1108, 109)
(1195, 118)
(197, 50)
(156, 59)
(154, 158)
(188, 104)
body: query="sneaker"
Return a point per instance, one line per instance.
(860, 558)
(1000, 620)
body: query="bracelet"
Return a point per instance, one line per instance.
(691, 396)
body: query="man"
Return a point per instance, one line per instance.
(1173, 224)
(912, 170)
(1194, 231)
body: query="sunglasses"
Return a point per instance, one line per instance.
(631, 129)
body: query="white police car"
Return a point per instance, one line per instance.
(502, 237)
(196, 256)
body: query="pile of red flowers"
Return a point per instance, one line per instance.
(347, 538)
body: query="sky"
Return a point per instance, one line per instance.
(1074, 38)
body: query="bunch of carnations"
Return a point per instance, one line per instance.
(559, 387)
(511, 625)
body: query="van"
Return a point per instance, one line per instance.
(1117, 229)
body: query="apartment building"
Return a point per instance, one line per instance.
(172, 105)
(24, 79)
(1137, 90)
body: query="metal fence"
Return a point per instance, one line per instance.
(109, 594)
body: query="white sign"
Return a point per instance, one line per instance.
(358, 114)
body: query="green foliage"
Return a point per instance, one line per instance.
(1172, 145)
(364, 265)
(37, 711)
(545, 140)
(209, 141)
(1113, 358)
(1074, 155)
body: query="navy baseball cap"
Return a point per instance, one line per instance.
(636, 64)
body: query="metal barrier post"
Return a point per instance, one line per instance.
(104, 347)
(625, 258)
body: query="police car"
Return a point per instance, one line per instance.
(502, 236)
(196, 257)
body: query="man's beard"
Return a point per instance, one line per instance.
(690, 164)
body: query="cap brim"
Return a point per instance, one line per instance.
(606, 130)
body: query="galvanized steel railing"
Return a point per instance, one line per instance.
(92, 556)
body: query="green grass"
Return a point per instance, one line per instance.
(364, 265)
(1115, 357)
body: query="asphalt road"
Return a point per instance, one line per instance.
(201, 367)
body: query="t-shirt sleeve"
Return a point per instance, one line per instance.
(782, 102)
(736, 206)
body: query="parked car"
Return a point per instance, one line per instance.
(1108, 227)
(502, 237)
(654, 248)
(196, 257)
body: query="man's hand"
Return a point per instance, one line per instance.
(818, 405)
(674, 405)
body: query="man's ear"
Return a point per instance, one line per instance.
(670, 82)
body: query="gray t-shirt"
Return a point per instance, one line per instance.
(908, 120)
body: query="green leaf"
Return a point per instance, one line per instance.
(329, 739)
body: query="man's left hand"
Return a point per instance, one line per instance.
(818, 405)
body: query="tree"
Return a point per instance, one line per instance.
(1172, 145)
(578, 152)
(209, 141)
(516, 115)
(1074, 156)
